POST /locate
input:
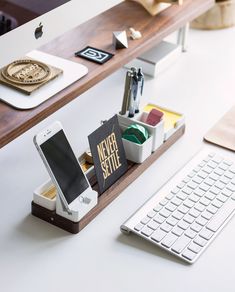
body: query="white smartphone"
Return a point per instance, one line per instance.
(62, 164)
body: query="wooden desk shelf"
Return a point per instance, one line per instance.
(133, 172)
(97, 32)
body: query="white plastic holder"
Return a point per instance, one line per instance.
(156, 132)
(79, 207)
(75, 211)
(41, 200)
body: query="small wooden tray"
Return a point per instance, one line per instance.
(134, 171)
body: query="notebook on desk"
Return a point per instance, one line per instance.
(223, 132)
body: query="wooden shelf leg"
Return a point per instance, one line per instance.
(182, 37)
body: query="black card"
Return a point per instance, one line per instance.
(94, 55)
(108, 153)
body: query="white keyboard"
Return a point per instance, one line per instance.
(191, 209)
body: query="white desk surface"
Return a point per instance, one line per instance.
(35, 256)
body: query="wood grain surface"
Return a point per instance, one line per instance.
(97, 32)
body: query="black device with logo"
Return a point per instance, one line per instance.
(94, 55)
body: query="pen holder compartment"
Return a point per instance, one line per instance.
(172, 120)
(156, 132)
(137, 152)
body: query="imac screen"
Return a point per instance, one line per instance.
(14, 13)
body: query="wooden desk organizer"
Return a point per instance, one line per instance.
(134, 171)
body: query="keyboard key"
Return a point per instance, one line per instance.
(139, 226)
(194, 212)
(226, 193)
(219, 171)
(212, 164)
(147, 231)
(218, 204)
(228, 162)
(176, 201)
(187, 190)
(232, 169)
(181, 196)
(188, 218)
(210, 196)
(200, 207)
(214, 176)
(169, 240)
(183, 209)
(177, 231)
(212, 209)
(215, 190)
(166, 227)
(190, 233)
(172, 221)
(192, 185)
(202, 164)
(158, 235)
(170, 196)
(183, 224)
(187, 179)
(207, 215)
(229, 174)
(204, 187)
(197, 169)
(231, 187)
(163, 202)
(196, 227)
(151, 214)
(224, 179)
(204, 201)
(157, 208)
(194, 247)
(180, 244)
(200, 241)
(153, 224)
(165, 213)
(191, 174)
(199, 192)
(221, 216)
(222, 198)
(219, 185)
(181, 185)
(197, 179)
(188, 254)
(170, 207)
(188, 203)
(217, 159)
(223, 166)
(159, 219)
(145, 220)
(202, 221)
(233, 181)
(194, 198)
(178, 215)
(202, 174)
(175, 190)
(206, 234)
(207, 169)
(209, 181)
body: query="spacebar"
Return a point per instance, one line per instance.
(221, 216)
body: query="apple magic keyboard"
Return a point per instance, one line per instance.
(187, 213)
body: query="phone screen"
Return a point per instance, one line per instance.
(64, 166)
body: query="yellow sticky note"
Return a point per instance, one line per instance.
(170, 118)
